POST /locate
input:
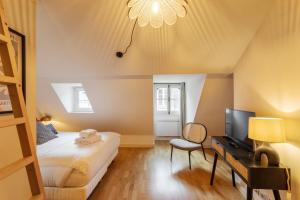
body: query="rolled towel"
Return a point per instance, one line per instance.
(88, 140)
(87, 132)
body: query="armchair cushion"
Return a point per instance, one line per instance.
(184, 144)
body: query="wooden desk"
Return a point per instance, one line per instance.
(251, 172)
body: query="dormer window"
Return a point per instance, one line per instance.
(73, 97)
(81, 102)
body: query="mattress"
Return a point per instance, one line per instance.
(66, 164)
(77, 193)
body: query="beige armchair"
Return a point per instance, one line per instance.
(194, 134)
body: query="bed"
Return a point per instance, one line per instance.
(72, 171)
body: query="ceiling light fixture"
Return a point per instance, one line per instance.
(156, 12)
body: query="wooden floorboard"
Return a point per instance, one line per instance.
(142, 174)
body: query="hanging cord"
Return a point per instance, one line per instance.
(131, 37)
(121, 54)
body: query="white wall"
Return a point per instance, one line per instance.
(266, 80)
(120, 104)
(217, 95)
(193, 87)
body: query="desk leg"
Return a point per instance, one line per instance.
(171, 153)
(276, 195)
(249, 193)
(213, 169)
(233, 177)
(190, 160)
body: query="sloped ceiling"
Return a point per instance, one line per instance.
(80, 38)
(77, 41)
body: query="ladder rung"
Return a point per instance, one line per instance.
(12, 122)
(7, 80)
(12, 168)
(3, 39)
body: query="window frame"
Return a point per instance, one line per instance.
(76, 108)
(169, 87)
(162, 99)
(174, 99)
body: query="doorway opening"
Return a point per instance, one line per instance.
(169, 112)
(175, 102)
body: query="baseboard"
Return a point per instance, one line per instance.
(138, 141)
(144, 141)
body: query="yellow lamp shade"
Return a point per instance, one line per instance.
(266, 129)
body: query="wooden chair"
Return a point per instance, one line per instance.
(194, 134)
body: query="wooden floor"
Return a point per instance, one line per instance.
(140, 174)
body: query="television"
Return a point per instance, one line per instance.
(236, 127)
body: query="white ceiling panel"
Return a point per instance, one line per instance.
(79, 38)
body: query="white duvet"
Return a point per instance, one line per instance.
(62, 156)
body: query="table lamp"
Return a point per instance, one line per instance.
(46, 118)
(269, 130)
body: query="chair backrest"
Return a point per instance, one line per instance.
(195, 132)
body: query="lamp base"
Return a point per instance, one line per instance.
(272, 155)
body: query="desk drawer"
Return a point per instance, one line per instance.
(237, 165)
(218, 148)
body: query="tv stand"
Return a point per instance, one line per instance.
(243, 164)
(231, 142)
(235, 145)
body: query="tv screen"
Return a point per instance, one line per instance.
(236, 126)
